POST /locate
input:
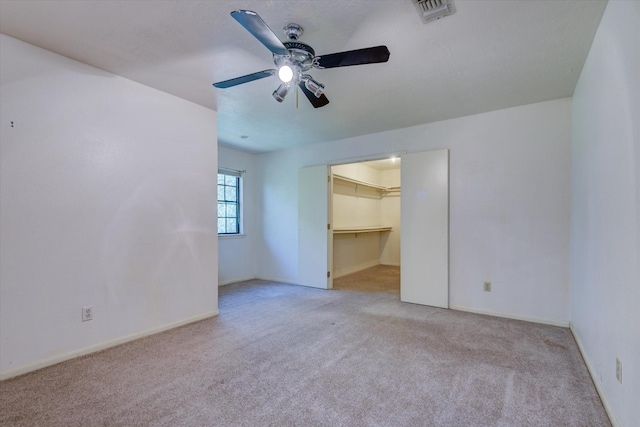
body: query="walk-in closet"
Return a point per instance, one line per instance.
(350, 217)
(366, 215)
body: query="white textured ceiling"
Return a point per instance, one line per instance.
(489, 55)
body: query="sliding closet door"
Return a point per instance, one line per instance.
(315, 238)
(424, 246)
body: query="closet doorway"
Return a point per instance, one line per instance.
(359, 194)
(365, 215)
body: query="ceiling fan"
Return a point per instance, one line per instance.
(293, 59)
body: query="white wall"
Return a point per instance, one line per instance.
(509, 205)
(605, 210)
(236, 254)
(107, 200)
(359, 171)
(352, 253)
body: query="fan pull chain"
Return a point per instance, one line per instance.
(296, 97)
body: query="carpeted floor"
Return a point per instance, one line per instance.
(285, 355)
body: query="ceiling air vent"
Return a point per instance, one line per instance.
(431, 10)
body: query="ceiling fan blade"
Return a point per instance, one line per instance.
(315, 101)
(368, 55)
(244, 79)
(252, 22)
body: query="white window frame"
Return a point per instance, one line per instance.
(240, 204)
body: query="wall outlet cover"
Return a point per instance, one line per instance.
(87, 313)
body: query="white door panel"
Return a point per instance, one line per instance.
(424, 215)
(315, 248)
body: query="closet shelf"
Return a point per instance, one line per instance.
(366, 184)
(358, 230)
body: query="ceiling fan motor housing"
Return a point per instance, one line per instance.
(300, 55)
(293, 31)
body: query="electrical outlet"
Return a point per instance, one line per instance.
(487, 286)
(87, 313)
(619, 369)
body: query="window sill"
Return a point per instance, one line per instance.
(231, 236)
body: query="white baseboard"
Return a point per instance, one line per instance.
(511, 316)
(354, 269)
(231, 282)
(286, 282)
(241, 279)
(596, 381)
(102, 346)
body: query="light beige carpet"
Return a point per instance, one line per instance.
(284, 355)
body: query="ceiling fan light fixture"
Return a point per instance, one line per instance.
(282, 91)
(285, 73)
(314, 87)
(431, 10)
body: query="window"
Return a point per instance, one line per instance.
(228, 201)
